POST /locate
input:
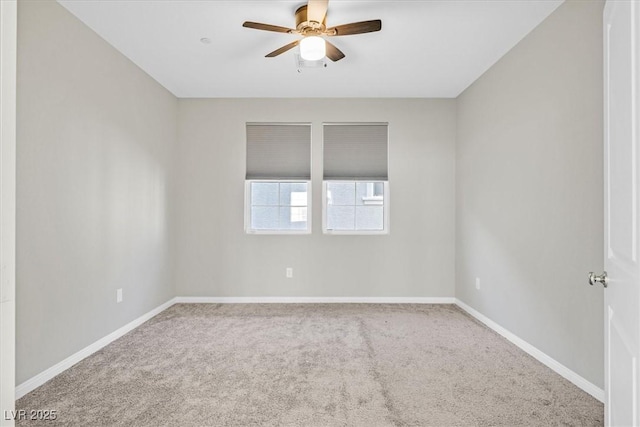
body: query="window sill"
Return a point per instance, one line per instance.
(356, 232)
(279, 232)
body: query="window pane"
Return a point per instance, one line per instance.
(264, 218)
(369, 193)
(293, 218)
(293, 194)
(264, 193)
(358, 206)
(369, 218)
(341, 193)
(278, 206)
(341, 217)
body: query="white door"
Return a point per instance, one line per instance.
(622, 196)
(8, 14)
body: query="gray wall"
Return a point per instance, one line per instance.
(106, 199)
(214, 256)
(530, 189)
(95, 141)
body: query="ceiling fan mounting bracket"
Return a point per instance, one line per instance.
(306, 27)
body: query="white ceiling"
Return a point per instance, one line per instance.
(425, 49)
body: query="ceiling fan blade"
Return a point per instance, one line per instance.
(283, 49)
(317, 10)
(355, 28)
(333, 53)
(267, 27)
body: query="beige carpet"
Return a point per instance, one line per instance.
(312, 365)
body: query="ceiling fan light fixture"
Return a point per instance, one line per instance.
(311, 25)
(312, 48)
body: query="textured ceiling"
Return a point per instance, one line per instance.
(425, 48)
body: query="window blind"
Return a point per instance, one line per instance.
(278, 151)
(355, 151)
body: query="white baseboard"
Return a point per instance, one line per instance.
(317, 300)
(543, 358)
(46, 375)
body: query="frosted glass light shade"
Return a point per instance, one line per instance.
(312, 48)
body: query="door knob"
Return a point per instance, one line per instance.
(602, 279)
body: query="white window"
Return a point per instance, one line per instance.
(355, 178)
(277, 186)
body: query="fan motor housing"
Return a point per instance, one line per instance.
(304, 26)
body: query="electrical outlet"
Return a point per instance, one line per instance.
(119, 295)
(289, 272)
(477, 283)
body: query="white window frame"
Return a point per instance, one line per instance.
(386, 204)
(247, 207)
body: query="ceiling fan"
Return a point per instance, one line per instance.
(311, 25)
